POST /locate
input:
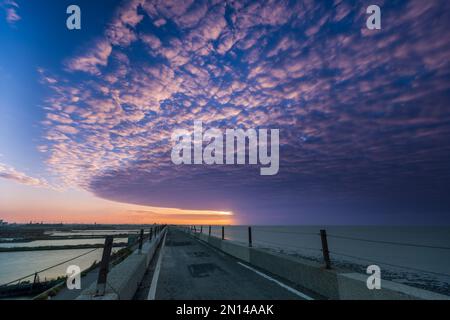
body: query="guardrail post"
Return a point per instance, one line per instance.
(223, 233)
(325, 251)
(201, 229)
(35, 280)
(209, 231)
(250, 243)
(141, 240)
(104, 267)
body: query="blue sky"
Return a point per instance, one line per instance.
(39, 38)
(364, 115)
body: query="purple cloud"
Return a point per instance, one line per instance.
(360, 112)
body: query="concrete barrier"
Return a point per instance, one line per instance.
(124, 278)
(352, 286)
(306, 273)
(331, 284)
(236, 250)
(215, 242)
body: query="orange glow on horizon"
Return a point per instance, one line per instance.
(178, 219)
(22, 204)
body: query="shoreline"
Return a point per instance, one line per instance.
(64, 247)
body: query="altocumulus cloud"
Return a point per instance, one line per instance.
(360, 112)
(7, 172)
(11, 11)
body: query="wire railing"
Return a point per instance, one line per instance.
(48, 268)
(114, 258)
(255, 236)
(390, 242)
(391, 264)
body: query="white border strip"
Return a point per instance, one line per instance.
(152, 291)
(298, 293)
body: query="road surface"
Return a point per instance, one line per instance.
(187, 268)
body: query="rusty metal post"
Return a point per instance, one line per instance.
(325, 251)
(104, 267)
(141, 240)
(35, 280)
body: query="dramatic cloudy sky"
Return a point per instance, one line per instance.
(364, 116)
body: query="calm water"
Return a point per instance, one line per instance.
(92, 232)
(14, 265)
(41, 243)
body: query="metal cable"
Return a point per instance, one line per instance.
(48, 268)
(389, 242)
(390, 264)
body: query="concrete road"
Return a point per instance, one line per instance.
(190, 269)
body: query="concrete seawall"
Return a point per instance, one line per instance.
(124, 278)
(332, 284)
